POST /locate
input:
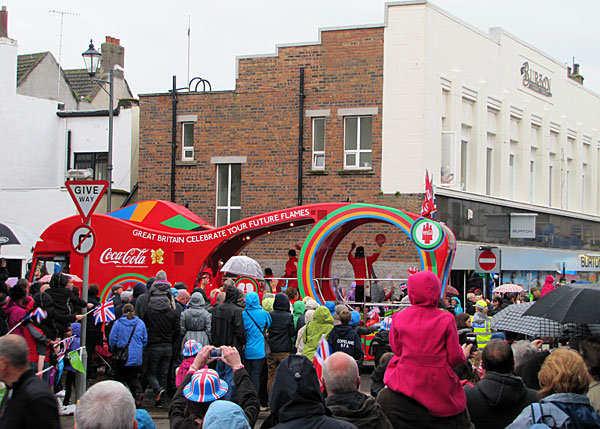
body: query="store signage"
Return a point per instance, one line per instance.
(590, 261)
(522, 225)
(535, 80)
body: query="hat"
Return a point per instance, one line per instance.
(205, 386)
(174, 292)
(481, 304)
(191, 348)
(386, 324)
(161, 276)
(180, 285)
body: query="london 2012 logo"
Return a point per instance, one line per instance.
(426, 234)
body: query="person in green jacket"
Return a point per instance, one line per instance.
(299, 307)
(321, 325)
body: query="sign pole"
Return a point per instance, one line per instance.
(81, 377)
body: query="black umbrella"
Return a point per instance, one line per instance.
(569, 304)
(11, 233)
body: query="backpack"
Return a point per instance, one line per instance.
(538, 417)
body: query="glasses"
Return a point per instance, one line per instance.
(205, 277)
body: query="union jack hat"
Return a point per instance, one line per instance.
(191, 348)
(205, 386)
(386, 324)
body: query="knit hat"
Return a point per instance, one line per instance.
(205, 386)
(481, 304)
(161, 276)
(191, 348)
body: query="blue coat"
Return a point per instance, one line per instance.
(120, 333)
(255, 344)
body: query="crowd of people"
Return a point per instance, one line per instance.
(224, 357)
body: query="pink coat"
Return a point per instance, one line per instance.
(548, 285)
(183, 370)
(424, 340)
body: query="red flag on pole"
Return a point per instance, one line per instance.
(428, 208)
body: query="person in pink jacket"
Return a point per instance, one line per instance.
(421, 388)
(548, 285)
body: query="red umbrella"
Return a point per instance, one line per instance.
(451, 291)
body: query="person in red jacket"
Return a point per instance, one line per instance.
(359, 265)
(291, 271)
(548, 285)
(422, 390)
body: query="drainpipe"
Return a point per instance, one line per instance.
(300, 135)
(173, 137)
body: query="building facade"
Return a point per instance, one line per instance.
(509, 134)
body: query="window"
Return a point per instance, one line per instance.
(318, 143)
(531, 180)
(187, 146)
(583, 185)
(97, 161)
(229, 193)
(448, 158)
(464, 156)
(550, 180)
(357, 142)
(489, 159)
(511, 176)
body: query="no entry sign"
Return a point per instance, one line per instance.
(487, 261)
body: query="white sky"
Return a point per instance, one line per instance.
(155, 34)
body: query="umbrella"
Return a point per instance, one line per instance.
(569, 304)
(512, 319)
(47, 277)
(12, 233)
(243, 266)
(509, 287)
(451, 291)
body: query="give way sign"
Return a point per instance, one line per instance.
(86, 194)
(487, 260)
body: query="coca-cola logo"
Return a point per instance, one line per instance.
(134, 256)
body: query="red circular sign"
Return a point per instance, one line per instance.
(487, 260)
(380, 239)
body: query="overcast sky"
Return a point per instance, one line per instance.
(154, 34)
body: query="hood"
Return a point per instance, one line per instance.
(76, 329)
(231, 294)
(502, 390)
(352, 405)
(225, 414)
(43, 300)
(309, 316)
(323, 315)
(160, 296)
(330, 306)
(252, 301)
(196, 300)
(209, 272)
(267, 304)
(424, 289)
(130, 323)
(312, 304)
(299, 307)
(138, 289)
(162, 286)
(296, 391)
(282, 302)
(355, 318)
(549, 279)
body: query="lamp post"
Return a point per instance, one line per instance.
(91, 58)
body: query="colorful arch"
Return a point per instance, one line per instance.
(436, 258)
(128, 281)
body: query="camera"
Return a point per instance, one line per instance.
(471, 339)
(216, 353)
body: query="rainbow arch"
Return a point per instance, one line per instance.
(317, 251)
(128, 281)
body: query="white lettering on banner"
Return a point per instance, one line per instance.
(226, 231)
(133, 256)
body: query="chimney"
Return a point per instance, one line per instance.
(575, 75)
(3, 22)
(112, 54)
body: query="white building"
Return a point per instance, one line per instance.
(505, 129)
(40, 141)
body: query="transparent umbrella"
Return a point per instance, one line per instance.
(243, 266)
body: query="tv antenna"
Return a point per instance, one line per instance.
(62, 14)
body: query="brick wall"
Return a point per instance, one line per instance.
(259, 120)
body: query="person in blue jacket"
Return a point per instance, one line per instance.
(122, 329)
(256, 322)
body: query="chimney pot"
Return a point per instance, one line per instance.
(575, 68)
(117, 41)
(568, 70)
(3, 22)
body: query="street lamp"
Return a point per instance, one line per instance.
(91, 58)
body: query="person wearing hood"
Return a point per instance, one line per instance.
(162, 323)
(343, 338)
(548, 285)
(342, 381)
(421, 388)
(140, 300)
(210, 284)
(228, 330)
(256, 322)
(129, 330)
(321, 325)
(196, 321)
(299, 307)
(280, 334)
(500, 396)
(296, 400)
(139, 290)
(63, 297)
(308, 317)
(71, 373)
(310, 304)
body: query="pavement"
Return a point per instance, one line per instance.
(161, 416)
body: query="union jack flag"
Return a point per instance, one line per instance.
(39, 314)
(63, 347)
(322, 353)
(105, 312)
(373, 312)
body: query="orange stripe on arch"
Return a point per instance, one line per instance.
(142, 210)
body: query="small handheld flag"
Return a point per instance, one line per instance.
(105, 312)
(75, 360)
(322, 353)
(39, 314)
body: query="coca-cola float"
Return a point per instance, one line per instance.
(136, 241)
